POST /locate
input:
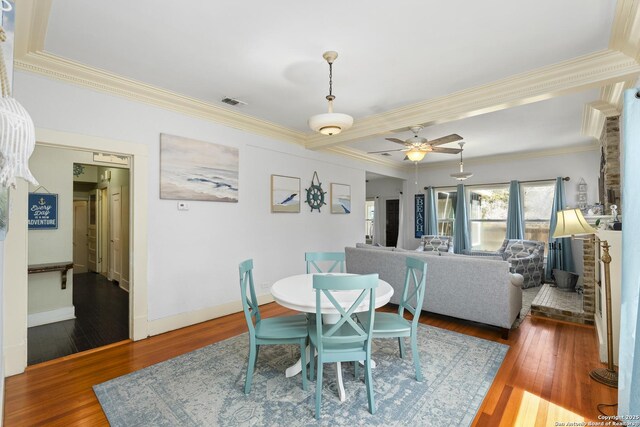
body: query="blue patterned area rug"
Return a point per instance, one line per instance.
(204, 387)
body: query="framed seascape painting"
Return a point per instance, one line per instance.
(196, 170)
(340, 198)
(285, 194)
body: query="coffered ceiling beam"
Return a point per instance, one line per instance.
(589, 71)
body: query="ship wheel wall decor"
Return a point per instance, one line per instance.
(315, 195)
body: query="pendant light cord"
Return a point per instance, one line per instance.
(330, 79)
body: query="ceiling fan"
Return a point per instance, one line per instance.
(417, 147)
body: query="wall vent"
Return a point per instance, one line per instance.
(232, 101)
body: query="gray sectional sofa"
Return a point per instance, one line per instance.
(471, 288)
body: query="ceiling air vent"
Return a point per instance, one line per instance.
(385, 154)
(233, 101)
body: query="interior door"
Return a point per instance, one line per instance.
(115, 243)
(80, 232)
(92, 232)
(103, 232)
(393, 218)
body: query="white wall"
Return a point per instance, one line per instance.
(47, 246)
(577, 165)
(193, 255)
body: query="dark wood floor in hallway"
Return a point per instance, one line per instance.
(102, 318)
(544, 378)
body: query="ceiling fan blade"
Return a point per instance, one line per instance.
(384, 151)
(445, 139)
(396, 140)
(446, 150)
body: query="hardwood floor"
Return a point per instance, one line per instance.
(543, 379)
(102, 318)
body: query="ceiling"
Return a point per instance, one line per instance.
(398, 61)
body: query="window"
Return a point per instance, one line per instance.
(369, 209)
(537, 200)
(488, 216)
(446, 205)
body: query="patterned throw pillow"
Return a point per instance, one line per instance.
(436, 243)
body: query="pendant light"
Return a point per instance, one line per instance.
(462, 175)
(330, 123)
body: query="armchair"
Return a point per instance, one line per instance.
(525, 256)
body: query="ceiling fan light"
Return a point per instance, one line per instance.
(330, 123)
(416, 155)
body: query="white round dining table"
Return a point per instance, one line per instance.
(297, 293)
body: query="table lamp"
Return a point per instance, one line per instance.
(571, 223)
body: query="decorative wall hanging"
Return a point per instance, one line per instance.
(340, 198)
(419, 220)
(315, 195)
(582, 195)
(43, 211)
(285, 194)
(17, 132)
(196, 170)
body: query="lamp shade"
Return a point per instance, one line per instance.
(571, 222)
(330, 123)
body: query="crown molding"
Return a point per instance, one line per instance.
(617, 67)
(361, 155)
(594, 115)
(502, 158)
(625, 32)
(32, 20)
(76, 73)
(31, 24)
(577, 74)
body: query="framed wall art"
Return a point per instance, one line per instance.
(285, 194)
(340, 198)
(197, 170)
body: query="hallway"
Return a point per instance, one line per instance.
(102, 318)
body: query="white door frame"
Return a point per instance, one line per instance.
(15, 255)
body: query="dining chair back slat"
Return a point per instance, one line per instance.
(274, 330)
(391, 325)
(315, 261)
(344, 340)
(249, 302)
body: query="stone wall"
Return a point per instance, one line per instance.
(610, 142)
(589, 278)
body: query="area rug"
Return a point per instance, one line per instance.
(205, 387)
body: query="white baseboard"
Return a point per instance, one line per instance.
(181, 320)
(45, 317)
(124, 285)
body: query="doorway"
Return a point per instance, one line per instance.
(99, 289)
(392, 223)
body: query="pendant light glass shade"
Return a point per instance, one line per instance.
(330, 123)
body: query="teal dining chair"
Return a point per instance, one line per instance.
(272, 330)
(391, 325)
(332, 259)
(345, 340)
